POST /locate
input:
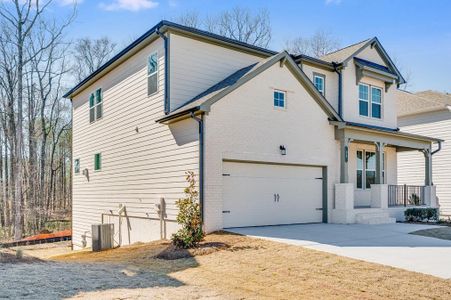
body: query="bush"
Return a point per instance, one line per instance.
(189, 217)
(421, 214)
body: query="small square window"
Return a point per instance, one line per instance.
(279, 99)
(77, 166)
(97, 161)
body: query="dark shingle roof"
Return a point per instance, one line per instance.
(373, 65)
(215, 89)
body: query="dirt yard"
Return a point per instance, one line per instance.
(226, 267)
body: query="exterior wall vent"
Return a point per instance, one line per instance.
(102, 236)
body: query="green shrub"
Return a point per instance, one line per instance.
(190, 233)
(421, 214)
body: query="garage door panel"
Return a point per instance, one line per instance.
(250, 189)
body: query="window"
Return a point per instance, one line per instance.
(152, 74)
(97, 162)
(370, 104)
(279, 99)
(95, 106)
(363, 100)
(366, 169)
(319, 82)
(376, 102)
(77, 166)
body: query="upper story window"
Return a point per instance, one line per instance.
(95, 106)
(77, 166)
(376, 102)
(279, 99)
(319, 81)
(152, 74)
(370, 103)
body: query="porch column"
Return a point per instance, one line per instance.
(427, 167)
(344, 158)
(379, 162)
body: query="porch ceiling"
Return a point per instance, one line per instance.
(370, 135)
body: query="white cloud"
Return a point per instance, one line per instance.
(333, 2)
(131, 5)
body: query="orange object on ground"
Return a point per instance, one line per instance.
(44, 236)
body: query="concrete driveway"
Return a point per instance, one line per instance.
(387, 244)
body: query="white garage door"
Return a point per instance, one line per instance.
(267, 194)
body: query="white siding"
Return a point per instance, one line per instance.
(411, 164)
(196, 66)
(141, 160)
(244, 125)
(331, 83)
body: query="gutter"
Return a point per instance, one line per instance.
(200, 121)
(337, 69)
(166, 70)
(438, 149)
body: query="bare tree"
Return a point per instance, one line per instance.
(26, 35)
(90, 54)
(318, 45)
(190, 19)
(238, 23)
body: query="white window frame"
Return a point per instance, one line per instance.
(380, 103)
(153, 73)
(370, 101)
(364, 169)
(365, 100)
(323, 78)
(284, 99)
(96, 105)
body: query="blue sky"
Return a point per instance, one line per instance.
(417, 34)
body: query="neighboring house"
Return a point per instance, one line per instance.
(427, 113)
(273, 139)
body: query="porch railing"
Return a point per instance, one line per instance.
(405, 195)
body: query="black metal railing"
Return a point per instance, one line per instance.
(405, 195)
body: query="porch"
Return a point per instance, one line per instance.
(368, 192)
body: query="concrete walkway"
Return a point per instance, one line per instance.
(387, 244)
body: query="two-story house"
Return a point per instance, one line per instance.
(272, 138)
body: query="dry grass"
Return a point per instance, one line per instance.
(443, 233)
(252, 268)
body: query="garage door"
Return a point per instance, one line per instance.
(268, 194)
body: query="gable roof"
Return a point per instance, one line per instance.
(344, 55)
(340, 55)
(153, 34)
(421, 102)
(204, 100)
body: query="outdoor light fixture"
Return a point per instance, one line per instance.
(283, 150)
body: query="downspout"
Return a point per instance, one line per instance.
(200, 121)
(340, 89)
(166, 70)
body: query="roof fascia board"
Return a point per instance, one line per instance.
(222, 43)
(315, 62)
(401, 134)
